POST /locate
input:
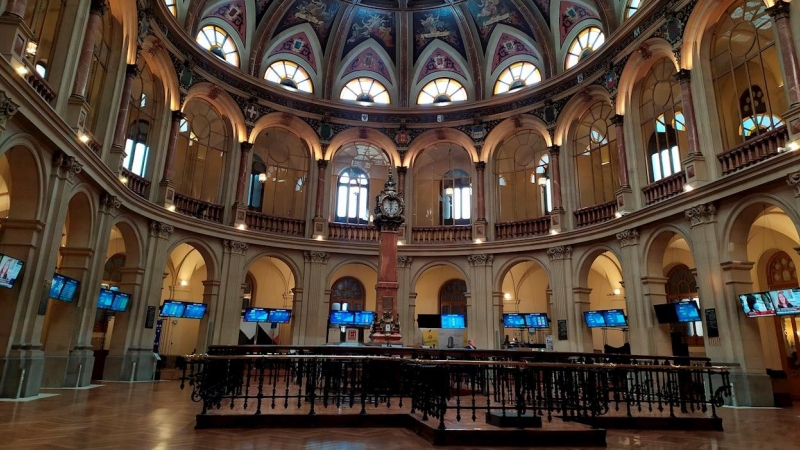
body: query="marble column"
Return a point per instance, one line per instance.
(684, 77)
(639, 313)
(16, 8)
(97, 10)
(322, 164)
(401, 179)
(622, 157)
(480, 169)
(485, 318)
(121, 130)
(172, 146)
(780, 14)
(562, 283)
(654, 293)
(244, 162)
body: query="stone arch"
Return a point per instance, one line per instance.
(417, 83)
(740, 218)
(297, 273)
(158, 60)
(206, 252)
(292, 124)
(703, 19)
(132, 238)
(27, 177)
(268, 57)
(224, 104)
(656, 245)
(435, 263)
(391, 83)
(635, 69)
(348, 261)
(510, 127)
(368, 135)
(574, 109)
(126, 14)
(431, 137)
(508, 265)
(585, 262)
(81, 213)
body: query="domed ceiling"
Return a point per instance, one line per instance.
(404, 44)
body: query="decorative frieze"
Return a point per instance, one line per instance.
(701, 214)
(480, 260)
(628, 237)
(66, 166)
(404, 261)
(560, 252)
(316, 257)
(793, 180)
(160, 229)
(235, 247)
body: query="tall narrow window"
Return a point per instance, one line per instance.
(745, 66)
(543, 181)
(365, 90)
(442, 186)
(517, 76)
(220, 43)
(584, 44)
(44, 18)
(352, 197)
(453, 297)
(663, 127)
(280, 166)
(521, 167)
(361, 170)
(144, 106)
(456, 194)
(442, 90)
(595, 150)
(289, 74)
(201, 152)
(349, 291)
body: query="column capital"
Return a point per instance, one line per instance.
(780, 10)
(402, 170)
(684, 76)
(701, 214)
(245, 146)
(316, 257)
(7, 109)
(322, 163)
(480, 260)
(404, 261)
(793, 180)
(99, 7)
(160, 229)
(109, 202)
(560, 252)
(480, 166)
(234, 247)
(554, 150)
(628, 237)
(178, 115)
(132, 70)
(617, 119)
(66, 166)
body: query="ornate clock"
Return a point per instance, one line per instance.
(389, 206)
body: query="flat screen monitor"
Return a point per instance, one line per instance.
(537, 320)
(687, 311)
(9, 270)
(512, 320)
(340, 318)
(615, 318)
(69, 290)
(172, 308)
(429, 321)
(279, 315)
(786, 301)
(594, 319)
(364, 318)
(255, 315)
(665, 313)
(56, 286)
(453, 321)
(121, 301)
(194, 310)
(105, 299)
(757, 304)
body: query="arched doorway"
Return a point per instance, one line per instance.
(605, 291)
(782, 277)
(348, 290)
(526, 289)
(440, 289)
(681, 286)
(268, 283)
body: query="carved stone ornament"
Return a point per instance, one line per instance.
(67, 166)
(560, 252)
(480, 260)
(7, 109)
(793, 180)
(235, 247)
(628, 237)
(160, 229)
(316, 257)
(109, 202)
(404, 261)
(701, 214)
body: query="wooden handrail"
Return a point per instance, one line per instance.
(757, 149)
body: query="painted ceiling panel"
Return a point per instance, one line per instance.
(372, 24)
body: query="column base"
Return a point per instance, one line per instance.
(78, 111)
(694, 166)
(134, 365)
(21, 373)
(14, 38)
(166, 195)
(625, 200)
(116, 156)
(79, 368)
(240, 216)
(749, 390)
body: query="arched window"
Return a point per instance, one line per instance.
(453, 297)
(350, 291)
(682, 287)
(220, 43)
(142, 112)
(442, 186)
(663, 127)
(280, 171)
(43, 17)
(748, 80)
(289, 74)
(361, 170)
(365, 90)
(632, 7)
(584, 44)
(352, 197)
(517, 76)
(781, 272)
(523, 177)
(172, 7)
(442, 90)
(203, 143)
(99, 72)
(111, 271)
(595, 150)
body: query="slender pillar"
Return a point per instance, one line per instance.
(121, 130)
(780, 14)
(16, 8)
(322, 164)
(684, 77)
(622, 157)
(480, 168)
(401, 179)
(98, 9)
(169, 163)
(555, 177)
(241, 183)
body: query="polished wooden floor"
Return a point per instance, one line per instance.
(161, 416)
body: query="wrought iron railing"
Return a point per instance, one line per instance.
(211, 212)
(522, 228)
(596, 214)
(350, 232)
(272, 224)
(664, 188)
(441, 235)
(138, 185)
(449, 389)
(754, 150)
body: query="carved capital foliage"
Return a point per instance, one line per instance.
(235, 247)
(7, 109)
(628, 237)
(554, 150)
(480, 166)
(99, 7)
(480, 260)
(316, 257)
(793, 180)
(66, 166)
(109, 202)
(160, 229)
(684, 76)
(780, 10)
(322, 164)
(560, 252)
(701, 214)
(404, 261)
(245, 146)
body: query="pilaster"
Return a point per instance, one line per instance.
(211, 324)
(311, 322)
(483, 324)
(639, 313)
(227, 312)
(584, 339)
(406, 309)
(562, 283)
(654, 293)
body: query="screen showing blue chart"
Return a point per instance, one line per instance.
(121, 301)
(172, 309)
(537, 320)
(194, 311)
(106, 299)
(342, 318)
(514, 321)
(687, 312)
(255, 315)
(594, 319)
(279, 316)
(364, 318)
(615, 318)
(453, 321)
(56, 286)
(69, 290)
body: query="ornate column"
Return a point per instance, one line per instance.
(694, 166)
(16, 8)
(96, 13)
(557, 214)
(624, 193)
(479, 224)
(166, 192)
(117, 153)
(227, 312)
(793, 180)
(388, 219)
(640, 323)
(310, 319)
(562, 304)
(401, 179)
(320, 224)
(484, 320)
(780, 14)
(240, 206)
(406, 308)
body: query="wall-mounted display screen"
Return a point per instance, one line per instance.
(279, 316)
(453, 321)
(429, 321)
(537, 320)
(9, 270)
(786, 301)
(339, 318)
(615, 318)
(665, 313)
(105, 299)
(171, 308)
(121, 301)
(594, 319)
(512, 320)
(687, 311)
(364, 318)
(255, 315)
(194, 310)
(56, 286)
(757, 304)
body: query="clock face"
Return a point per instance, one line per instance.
(390, 206)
